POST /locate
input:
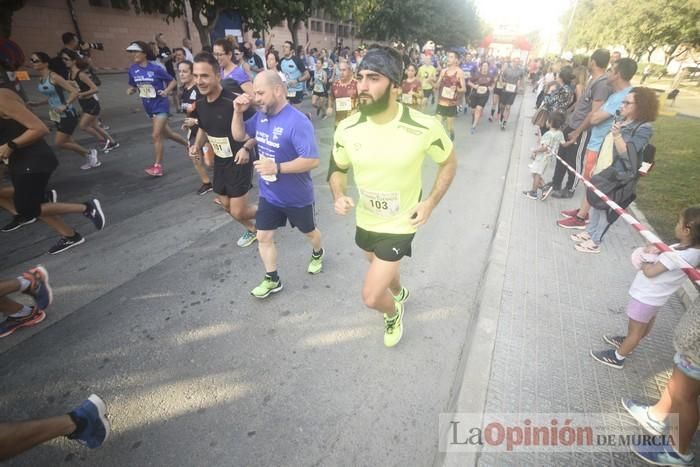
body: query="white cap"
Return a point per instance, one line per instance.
(134, 47)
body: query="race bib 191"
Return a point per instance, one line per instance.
(221, 146)
(381, 203)
(448, 93)
(343, 104)
(510, 87)
(147, 91)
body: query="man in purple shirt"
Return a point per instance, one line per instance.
(288, 153)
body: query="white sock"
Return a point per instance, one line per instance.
(618, 356)
(25, 311)
(23, 284)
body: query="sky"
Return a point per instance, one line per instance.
(526, 15)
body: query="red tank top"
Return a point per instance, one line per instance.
(449, 81)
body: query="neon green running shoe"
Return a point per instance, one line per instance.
(266, 287)
(402, 297)
(393, 327)
(316, 263)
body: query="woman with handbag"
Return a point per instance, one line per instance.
(557, 100)
(630, 135)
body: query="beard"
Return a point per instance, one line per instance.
(375, 106)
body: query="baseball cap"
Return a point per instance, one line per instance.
(134, 47)
(258, 42)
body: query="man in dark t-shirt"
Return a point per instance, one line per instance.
(233, 165)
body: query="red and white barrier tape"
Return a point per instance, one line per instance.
(690, 271)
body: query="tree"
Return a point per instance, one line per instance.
(205, 13)
(6, 12)
(447, 22)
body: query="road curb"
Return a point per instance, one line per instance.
(473, 374)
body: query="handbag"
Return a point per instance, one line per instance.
(540, 117)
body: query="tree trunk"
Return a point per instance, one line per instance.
(203, 30)
(293, 27)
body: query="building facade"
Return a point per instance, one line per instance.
(38, 26)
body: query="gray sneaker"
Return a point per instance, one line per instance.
(640, 412)
(247, 239)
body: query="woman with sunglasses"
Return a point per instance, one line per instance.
(224, 54)
(631, 131)
(60, 95)
(153, 84)
(86, 98)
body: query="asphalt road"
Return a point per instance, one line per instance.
(154, 314)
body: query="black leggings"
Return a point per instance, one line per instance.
(574, 156)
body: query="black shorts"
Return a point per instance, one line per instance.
(478, 100)
(320, 94)
(230, 179)
(387, 247)
(67, 124)
(270, 217)
(497, 91)
(427, 92)
(30, 189)
(90, 106)
(507, 98)
(297, 99)
(446, 110)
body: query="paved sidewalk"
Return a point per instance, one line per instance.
(554, 306)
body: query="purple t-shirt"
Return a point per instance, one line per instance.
(150, 80)
(237, 74)
(284, 137)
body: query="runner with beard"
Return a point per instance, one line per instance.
(449, 85)
(385, 143)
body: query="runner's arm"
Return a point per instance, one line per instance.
(596, 105)
(85, 78)
(169, 88)
(305, 77)
(63, 84)
(240, 105)
(12, 107)
(446, 173)
(299, 165)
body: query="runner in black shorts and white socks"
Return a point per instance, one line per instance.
(31, 163)
(511, 77)
(480, 83)
(233, 161)
(190, 94)
(78, 75)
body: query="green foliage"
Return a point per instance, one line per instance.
(640, 26)
(446, 22)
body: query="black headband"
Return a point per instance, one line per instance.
(384, 63)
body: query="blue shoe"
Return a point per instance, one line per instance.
(640, 413)
(39, 288)
(661, 455)
(94, 212)
(93, 426)
(10, 325)
(608, 357)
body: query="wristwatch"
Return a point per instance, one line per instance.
(12, 145)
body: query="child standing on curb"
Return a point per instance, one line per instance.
(549, 142)
(658, 278)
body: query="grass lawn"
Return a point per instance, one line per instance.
(675, 181)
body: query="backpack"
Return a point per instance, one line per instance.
(619, 181)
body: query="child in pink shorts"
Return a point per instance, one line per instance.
(658, 278)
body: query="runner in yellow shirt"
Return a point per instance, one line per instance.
(385, 144)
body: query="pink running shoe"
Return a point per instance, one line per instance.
(156, 170)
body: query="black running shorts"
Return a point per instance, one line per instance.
(29, 193)
(478, 100)
(387, 247)
(507, 98)
(296, 99)
(271, 217)
(67, 124)
(90, 106)
(230, 179)
(446, 110)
